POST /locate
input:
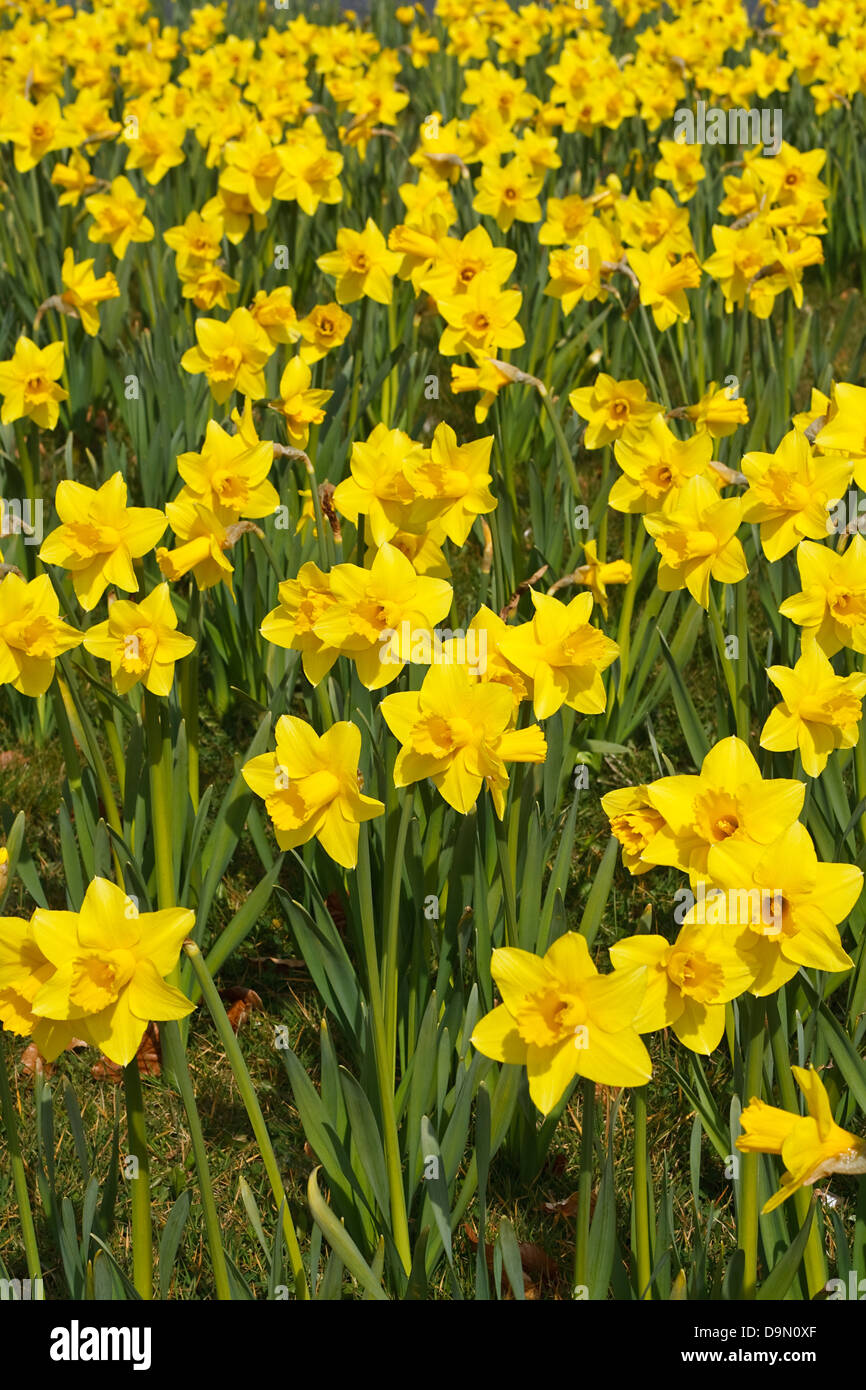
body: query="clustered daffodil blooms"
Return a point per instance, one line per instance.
(760, 884)
(405, 490)
(244, 190)
(355, 612)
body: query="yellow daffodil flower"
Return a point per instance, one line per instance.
(28, 384)
(694, 533)
(509, 193)
(789, 902)
(563, 654)
(811, 1146)
(378, 613)
(481, 319)
(110, 963)
(32, 633)
(205, 541)
(456, 477)
(141, 642)
(99, 538)
(613, 410)
(728, 799)
(456, 731)
(663, 284)
(831, 606)
(718, 411)
(299, 404)
(325, 327)
(292, 624)
(361, 265)
(310, 788)
(656, 464)
(789, 491)
(634, 821)
(687, 983)
(229, 476)
(84, 291)
(118, 217)
(23, 971)
(560, 1018)
(597, 574)
(231, 354)
(379, 486)
(820, 711)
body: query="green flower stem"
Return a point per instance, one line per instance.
(324, 703)
(384, 1072)
(25, 462)
(390, 981)
(19, 1176)
(114, 745)
(741, 665)
(159, 764)
(389, 386)
(83, 729)
(250, 1100)
(665, 394)
(71, 760)
(142, 1221)
(356, 370)
(324, 535)
(73, 731)
(189, 693)
(860, 779)
(752, 1041)
(623, 635)
(584, 1184)
(719, 635)
(641, 1196)
(813, 1259)
(508, 895)
(561, 442)
(261, 540)
(175, 1054)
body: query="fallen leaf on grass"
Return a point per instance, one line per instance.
(536, 1264)
(565, 1206)
(240, 1002)
(33, 1063)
